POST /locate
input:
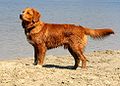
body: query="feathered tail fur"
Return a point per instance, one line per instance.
(98, 33)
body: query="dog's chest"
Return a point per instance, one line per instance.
(29, 38)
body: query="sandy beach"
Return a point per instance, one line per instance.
(103, 70)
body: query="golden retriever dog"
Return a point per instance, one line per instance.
(44, 36)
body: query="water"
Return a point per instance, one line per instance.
(89, 13)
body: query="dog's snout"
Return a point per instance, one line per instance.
(20, 16)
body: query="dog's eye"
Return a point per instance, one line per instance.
(23, 11)
(28, 13)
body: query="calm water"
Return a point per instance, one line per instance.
(89, 13)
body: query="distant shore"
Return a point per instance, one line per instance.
(103, 70)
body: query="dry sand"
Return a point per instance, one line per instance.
(103, 70)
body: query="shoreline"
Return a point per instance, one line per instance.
(103, 70)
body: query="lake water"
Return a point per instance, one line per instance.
(89, 13)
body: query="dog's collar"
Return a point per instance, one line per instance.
(33, 25)
(28, 30)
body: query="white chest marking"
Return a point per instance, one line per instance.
(29, 39)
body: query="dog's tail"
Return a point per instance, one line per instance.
(98, 33)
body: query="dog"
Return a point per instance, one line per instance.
(44, 36)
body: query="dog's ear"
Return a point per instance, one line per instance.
(36, 15)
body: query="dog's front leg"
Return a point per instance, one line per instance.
(40, 51)
(35, 55)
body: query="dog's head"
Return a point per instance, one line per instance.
(30, 15)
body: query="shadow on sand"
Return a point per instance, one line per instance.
(59, 67)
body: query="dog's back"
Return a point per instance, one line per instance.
(69, 34)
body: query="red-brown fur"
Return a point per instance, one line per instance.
(44, 36)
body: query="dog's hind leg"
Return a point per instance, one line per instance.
(77, 53)
(76, 57)
(83, 58)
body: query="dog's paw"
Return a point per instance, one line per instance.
(35, 63)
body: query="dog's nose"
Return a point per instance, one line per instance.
(20, 16)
